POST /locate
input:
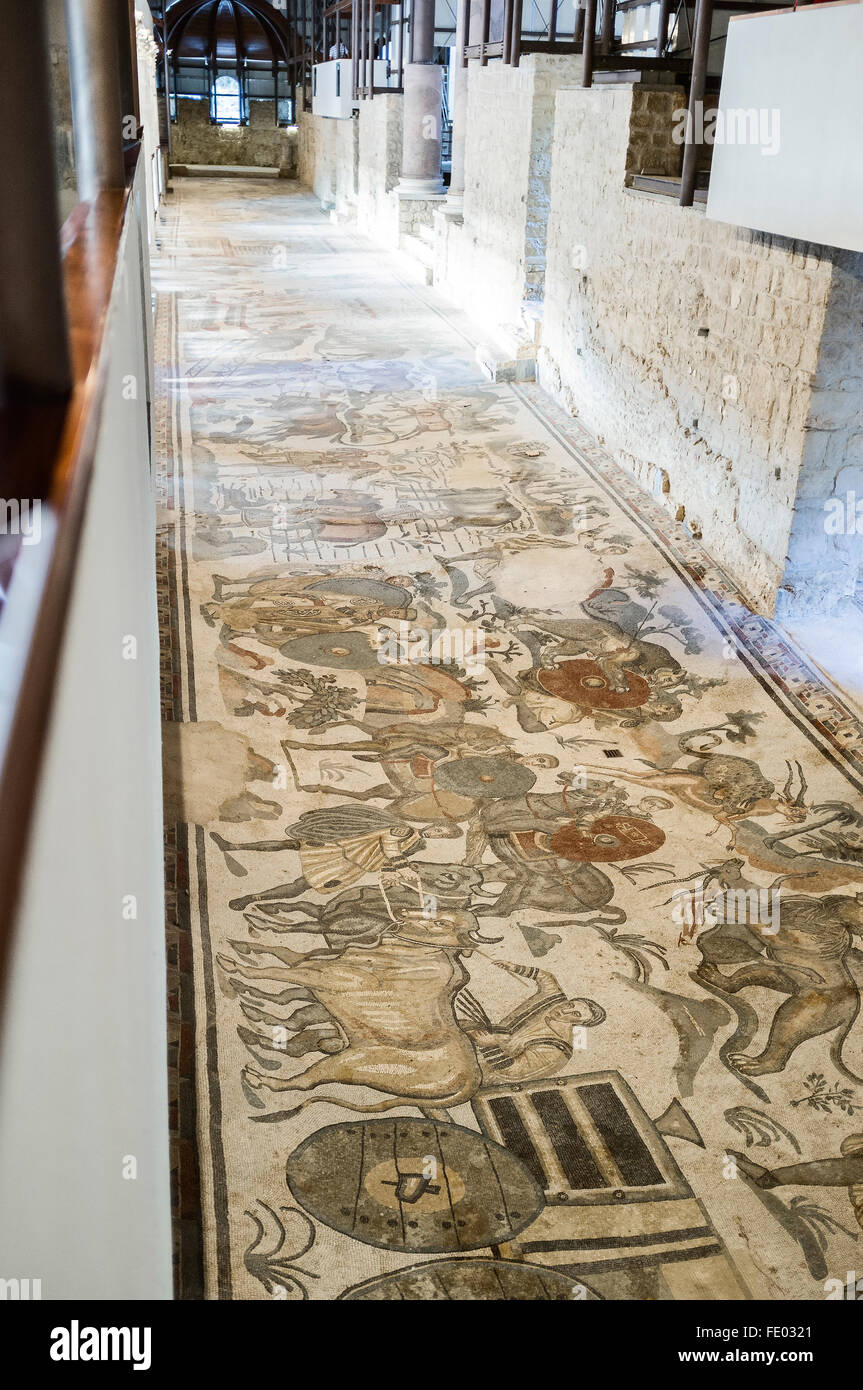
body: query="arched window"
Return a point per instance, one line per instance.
(226, 100)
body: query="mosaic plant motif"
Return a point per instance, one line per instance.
(525, 865)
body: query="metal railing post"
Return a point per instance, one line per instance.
(578, 27)
(589, 49)
(486, 26)
(515, 46)
(700, 55)
(355, 47)
(662, 32)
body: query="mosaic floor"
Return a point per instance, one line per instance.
(513, 864)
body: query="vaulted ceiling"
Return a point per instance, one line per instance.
(229, 30)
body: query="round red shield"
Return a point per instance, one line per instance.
(585, 683)
(607, 840)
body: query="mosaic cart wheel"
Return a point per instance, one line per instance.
(491, 1280)
(607, 840)
(414, 1185)
(585, 683)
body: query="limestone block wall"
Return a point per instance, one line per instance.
(722, 367)
(495, 261)
(260, 144)
(314, 159)
(327, 160)
(690, 347)
(379, 165)
(825, 550)
(353, 166)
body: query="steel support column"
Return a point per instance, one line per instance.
(700, 55)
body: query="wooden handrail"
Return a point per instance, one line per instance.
(66, 433)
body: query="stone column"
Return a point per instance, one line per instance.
(94, 47)
(458, 108)
(420, 171)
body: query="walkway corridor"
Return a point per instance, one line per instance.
(472, 756)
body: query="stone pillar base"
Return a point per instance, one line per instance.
(420, 188)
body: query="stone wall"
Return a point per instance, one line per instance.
(825, 549)
(261, 144)
(722, 367)
(327, 155)
(353, 166)
(689, 347)
(494, 260)
(380, 153)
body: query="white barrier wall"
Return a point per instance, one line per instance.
(148, 56)
(796, 170)
(332, 87)
(84, 1163)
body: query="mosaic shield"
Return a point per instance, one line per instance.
(360, 586)
(484, 778)
(585, 683)
(341, 651)
(496, 1280)
(607, 840)
(414, 1185)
